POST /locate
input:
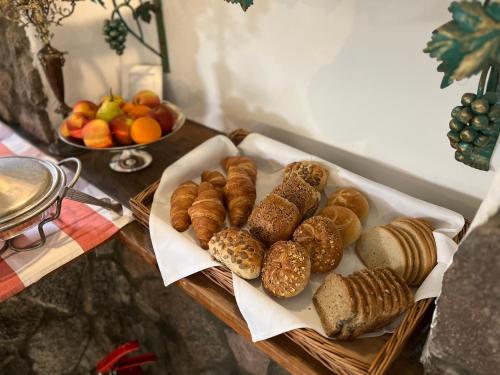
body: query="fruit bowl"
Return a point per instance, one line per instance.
(130, 158)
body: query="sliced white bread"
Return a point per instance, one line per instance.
(378, 247)
(423, 251)
(414, 252)
(334, 302)
(407, 251)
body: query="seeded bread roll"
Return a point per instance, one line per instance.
(321, 238)
(312, 172)
(273, 219)
(300, 193)
(239, 251)
(352, 199)
(346, 221)
(286, 270)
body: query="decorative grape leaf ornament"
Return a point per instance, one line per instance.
(469, 43)
(245, 4)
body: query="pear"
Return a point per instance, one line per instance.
(109, 109)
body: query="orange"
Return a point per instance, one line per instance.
(145, 130)
(127, 106)
(138, 111)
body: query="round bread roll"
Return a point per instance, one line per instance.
(321, 238)
(286, 270)
(346, 222)
(300, 193)
(273, 219)
(238, 250)
(312, 172)
(352, 199)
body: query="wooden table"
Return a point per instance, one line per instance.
(123, 186)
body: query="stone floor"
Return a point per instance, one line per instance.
(65, 323)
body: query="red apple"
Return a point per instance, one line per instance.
(96, 133)
(76, 122)
(85, 107)
(147, 98)
(164, 116)
(120, 128)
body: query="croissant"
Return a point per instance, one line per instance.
(240, 195)
(241, 161)
(207, 213)
(182, 198)
(215, 178)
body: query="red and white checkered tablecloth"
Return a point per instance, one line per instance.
(79, 229)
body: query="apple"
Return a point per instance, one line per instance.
(164, 116)
(64, 129)
(75, 123)
(147, 98)
(97, 134)
(85, 107)
(120, 128)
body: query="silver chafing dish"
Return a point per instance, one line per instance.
(31, 193)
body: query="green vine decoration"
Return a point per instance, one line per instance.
(116, 28)
(469, 43)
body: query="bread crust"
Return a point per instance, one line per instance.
(352, 199)
(299, 192)
(273, 219)
(346, 222)
(286, 269)
(239, 251)
(321, 238)
(312, 172)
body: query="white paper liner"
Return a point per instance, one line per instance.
(179, 255)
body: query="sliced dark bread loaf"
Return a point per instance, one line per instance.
(378, 247)
(408, 294)
(334, 302)
(385, 294)
(377, 294)
(373, 311)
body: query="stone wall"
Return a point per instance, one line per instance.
(22, 98)
(465, 334)
(68, 321)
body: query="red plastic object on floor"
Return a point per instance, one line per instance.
(118, 362)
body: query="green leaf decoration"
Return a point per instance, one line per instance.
(144, 10)
(469, 43)
(245, 4)
(100, 2)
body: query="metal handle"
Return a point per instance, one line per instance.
(77, 172)
(76, 195)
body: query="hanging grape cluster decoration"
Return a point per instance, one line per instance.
(467, 45)
(115, 34)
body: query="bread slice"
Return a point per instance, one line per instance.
(361, 307)
(373, 310)
(409, 298)
(386, 296)
(378, 247)
(334, 302)
(412, 245)
(376, 287)
(429, 238)
(407, 251)
(423, 251)
(401, 294)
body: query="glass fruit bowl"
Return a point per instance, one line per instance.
(130, 158)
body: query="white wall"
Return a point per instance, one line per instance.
(348, 73)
